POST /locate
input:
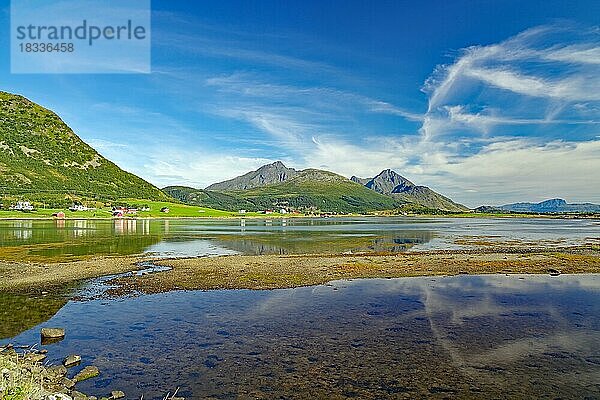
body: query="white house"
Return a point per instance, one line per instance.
(79, 207)
(22, 206)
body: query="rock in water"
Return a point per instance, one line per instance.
(52, 333)
(117, 394)
(72, 360)
(87, 373)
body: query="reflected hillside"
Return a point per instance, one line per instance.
(305, 242)
(19, 313)
(60, 240)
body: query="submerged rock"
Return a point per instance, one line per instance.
(72, 360)
(87, 373)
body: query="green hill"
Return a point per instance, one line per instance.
(209, 198)
(320, 190)
(305, 191)
(42, 159)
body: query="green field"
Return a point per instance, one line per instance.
(175, 211)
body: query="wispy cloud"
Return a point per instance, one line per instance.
(318, 98)
(544, 68)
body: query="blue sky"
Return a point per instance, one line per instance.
(488, 102)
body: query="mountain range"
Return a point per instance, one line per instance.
(274, 185)
(392, 184)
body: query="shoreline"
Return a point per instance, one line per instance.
(264, 272)
(292, 216)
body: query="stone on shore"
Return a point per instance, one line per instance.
(87, 373)
(58, 396)
(72, 360)
(78, 395)
(35, 357)
(68, 383)
(56, 371)
(117, 394)
(52, 333)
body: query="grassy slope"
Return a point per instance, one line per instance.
(323, 190)
(209, 198)
(428, 198)
(41, 159)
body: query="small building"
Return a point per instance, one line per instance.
(59, 215)
(165, 210)
(283, 211)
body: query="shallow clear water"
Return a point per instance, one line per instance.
(43, 240)
(446, 337)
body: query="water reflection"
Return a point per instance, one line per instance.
(22, 230)
(26, 239)
(19, 312)
(455, 337)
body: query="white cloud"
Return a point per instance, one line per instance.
(196, 169)
(521, 170)
(548, 67)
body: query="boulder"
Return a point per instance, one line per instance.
(71, 360)
(117, 394)
(87, 373)
(35, 357)
(68, 383)
(56, 371)
(52, 333)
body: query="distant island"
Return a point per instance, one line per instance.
(544, 207)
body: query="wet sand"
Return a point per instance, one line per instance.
(23, 277)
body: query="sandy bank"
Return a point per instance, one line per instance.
(272, 272)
